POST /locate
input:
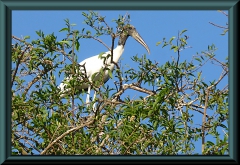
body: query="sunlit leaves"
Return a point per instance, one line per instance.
(180, 42)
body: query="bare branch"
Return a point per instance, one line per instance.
(223, 12)
(133, 86)
(97, 40)
(218, 25)
(220, 78)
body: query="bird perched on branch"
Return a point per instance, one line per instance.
(91, 67)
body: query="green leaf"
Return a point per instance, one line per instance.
(39, 33)
(155, 125)
(150, 112)
(171, 39)
(64, 29)
(70, 52)
(183, 31)
(224, 149)
(184, 41)
(165, 44)
(224, 32)
(204, 84)
(75, 140)
(175, 49)
(65, 42)
(67, 21)
(94, 75)
(166, 79)
(110, 73)
(198, 59)
(88, 32)
(222, 125)
(172, 47)
(26, 37)
(77, 45)
(100, 55)
(158, 43)
(84, 14)
(210, 143)
(199, 75)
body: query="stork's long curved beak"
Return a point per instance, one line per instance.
(139, 39)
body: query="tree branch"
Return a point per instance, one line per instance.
(64, 134)
(97, 40)
(133, 86)
(218, 25)
(204, 119)
(18, 63)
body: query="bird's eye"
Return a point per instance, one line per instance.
(130, 28)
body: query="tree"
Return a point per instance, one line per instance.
(158, 122)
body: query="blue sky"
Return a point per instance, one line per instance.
(153, 26)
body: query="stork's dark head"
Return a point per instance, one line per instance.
(130, 30)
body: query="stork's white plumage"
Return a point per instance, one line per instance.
(94, 64)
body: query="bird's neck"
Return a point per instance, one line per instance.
(117, 52)
(122, 39)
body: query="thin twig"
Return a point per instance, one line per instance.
(97, 40)
(218, 25)
(133, 86)
(225, 133)
(223, 12)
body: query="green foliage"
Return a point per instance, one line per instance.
(159, 121)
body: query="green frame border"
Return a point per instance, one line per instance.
(6, 6)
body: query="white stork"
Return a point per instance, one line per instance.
(94, 64)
